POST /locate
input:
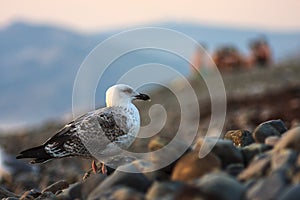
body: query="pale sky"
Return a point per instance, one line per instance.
(96, 15)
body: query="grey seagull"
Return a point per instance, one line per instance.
(96, 133)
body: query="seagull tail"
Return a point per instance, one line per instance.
(38, 153)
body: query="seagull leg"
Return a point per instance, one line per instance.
(103, 168)
(94, 167)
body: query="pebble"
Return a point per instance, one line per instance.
(290, 140)
(46, 196)
(258, 168)
(192, 192)
(224, 149)
(56, 187)
(291, 193)
(88, 186)
(279, 125)
(285, 158)
(164, 190)
(272, 140)
(296, 177)
(234, 169)
(30, 194)
(120, 193)
(269, 188)
(240, 138)
(74, 191)
(221, 186)
(249, 152)
(5, 193)
(268, 128)
(150, 170)
(170, 190)
(165, 157)
(122, 176)
(190, 166)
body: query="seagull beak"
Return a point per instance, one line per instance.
(142, 97)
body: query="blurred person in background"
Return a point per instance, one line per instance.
(200, 61)
(260, 53)
(228, 58)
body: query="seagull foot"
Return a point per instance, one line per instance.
(97, 168)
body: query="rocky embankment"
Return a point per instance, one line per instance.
(257, 156)
(262, 164)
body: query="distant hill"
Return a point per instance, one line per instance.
(38, 64)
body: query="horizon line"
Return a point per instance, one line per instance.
(149, 24)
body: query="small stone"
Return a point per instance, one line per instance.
(291, 193)
(249, 152)
(240, 138)
(170, 190)
(224, 149)
(296, 177)
(250, 183)
(26, 196)
(46, 196)
(164, 158)
(283, 159)
(272, 140)
(127, 175)
(221, 186)
(190, 166)
(164, 190)
(279, 125)
(150, 170)
(290, 140)
(56, 187)
(192, 192)
(234, 169)
(126, 193)
(269, 188)
(30, 194)
(74, 191)
(89, 185)
(268, 128)
(5, 193)
(120, 193)
(258, 168)
(296, 174)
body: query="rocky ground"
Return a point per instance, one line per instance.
(257, 156)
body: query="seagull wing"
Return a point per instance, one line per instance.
(99, 127)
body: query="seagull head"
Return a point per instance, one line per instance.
(121, 94)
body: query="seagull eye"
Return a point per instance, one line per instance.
(127, 90)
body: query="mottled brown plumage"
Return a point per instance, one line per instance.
(97, 133)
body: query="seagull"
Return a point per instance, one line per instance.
(100, 132)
